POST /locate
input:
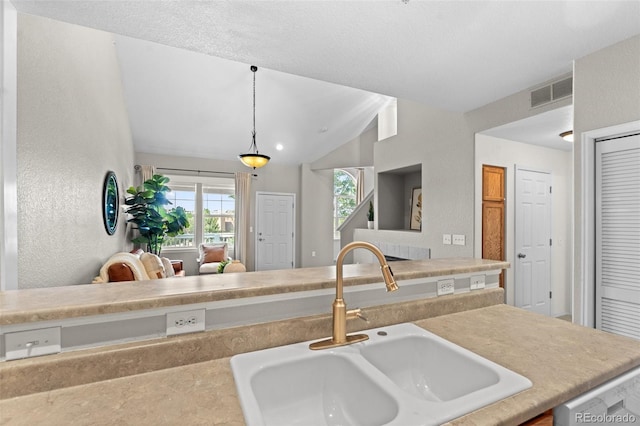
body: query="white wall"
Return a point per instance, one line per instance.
(8, 173)
(72, 129)
(512, 108)
(505, 153)
(388, 121)
(358, 152)
(606, 93)
(317, 216)
(507, 110)
(441, 142)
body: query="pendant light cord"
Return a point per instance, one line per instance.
(253, 158)
(253, 143)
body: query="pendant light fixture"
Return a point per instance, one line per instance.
(253, 158)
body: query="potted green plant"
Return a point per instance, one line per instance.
(147, 209)
(370, 216)
(221, 266)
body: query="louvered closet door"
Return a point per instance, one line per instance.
(618, 236)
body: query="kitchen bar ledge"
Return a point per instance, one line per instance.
(56, 303)
(562, 360)
(78, 367)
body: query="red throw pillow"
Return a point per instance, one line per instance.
(120, 272)
(213, 254)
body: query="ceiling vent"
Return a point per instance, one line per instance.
(552, 92)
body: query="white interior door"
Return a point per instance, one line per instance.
(618, 236)
(533, 241)
(275, 224)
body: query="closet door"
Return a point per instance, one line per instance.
(618, 236)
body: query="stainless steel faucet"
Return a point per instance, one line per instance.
(340, 313)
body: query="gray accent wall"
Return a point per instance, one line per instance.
(72, 129)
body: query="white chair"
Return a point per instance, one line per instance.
(211, 255)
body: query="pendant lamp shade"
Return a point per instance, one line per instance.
(253, 158)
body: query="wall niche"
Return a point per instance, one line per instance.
(394, 196)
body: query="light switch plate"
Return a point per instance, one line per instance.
(458, 240)
(446, 239)
(476, 282)
(25, 344)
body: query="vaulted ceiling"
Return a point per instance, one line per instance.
(203, 105)
(326, 67)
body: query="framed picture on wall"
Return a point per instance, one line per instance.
(416, 209)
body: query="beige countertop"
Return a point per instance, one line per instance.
(32, 305)
(562, 360)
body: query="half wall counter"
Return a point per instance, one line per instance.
(83, 316)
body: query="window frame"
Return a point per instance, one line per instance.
(199, 183)
(336, 234)
(220, 216)
(183, 188)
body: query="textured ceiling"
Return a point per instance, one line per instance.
(453, 55)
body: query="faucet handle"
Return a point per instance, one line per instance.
(356, 313)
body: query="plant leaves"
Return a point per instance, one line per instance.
(147, 212)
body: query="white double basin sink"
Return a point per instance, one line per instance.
(403, 375)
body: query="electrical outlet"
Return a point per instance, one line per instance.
(458, 240)
(445, 287)
(446, 239)
(25, 344)
(185, 322)
(476, 282)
